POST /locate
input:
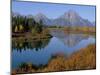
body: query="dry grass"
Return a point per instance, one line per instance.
(81, 60)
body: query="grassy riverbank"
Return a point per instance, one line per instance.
(84, 29)
(22, 36)
(83, 59)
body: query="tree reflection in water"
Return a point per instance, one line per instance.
(20, 45)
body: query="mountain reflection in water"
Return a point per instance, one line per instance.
(69, 39)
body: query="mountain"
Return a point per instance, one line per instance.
(42, 17)
(71, 18)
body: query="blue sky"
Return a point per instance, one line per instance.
(53, 10)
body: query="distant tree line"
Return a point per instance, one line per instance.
(22, 24)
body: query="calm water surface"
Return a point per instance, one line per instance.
(40, 51)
